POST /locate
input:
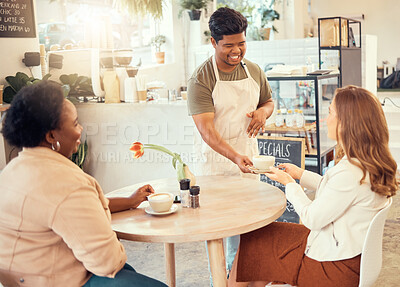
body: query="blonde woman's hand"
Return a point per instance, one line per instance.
(141, 194)
(279, 176)
(293, 170)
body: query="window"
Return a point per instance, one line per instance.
(62, 22)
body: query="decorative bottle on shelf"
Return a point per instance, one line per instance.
(185, 186)
(289, 119)
(294, 116)
(279, 120)
(284, 114)
(300, 120)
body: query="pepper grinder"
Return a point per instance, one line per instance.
(195, 196)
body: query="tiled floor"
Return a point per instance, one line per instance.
(191, 258)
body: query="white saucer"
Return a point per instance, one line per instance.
(258, 171)
(149, 210)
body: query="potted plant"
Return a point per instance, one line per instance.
(157, 42)
(17, 82)
(268, 15)
(193, 7)
(75, 86)
(207, 35)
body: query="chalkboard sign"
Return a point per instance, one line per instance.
(17, 19)
(285, 150)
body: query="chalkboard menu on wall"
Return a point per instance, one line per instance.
(285, 150)
(17, 19)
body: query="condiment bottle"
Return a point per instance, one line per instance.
(195, 196)
(279, 119)
(300, 121)
(185, 198)
(289, 119)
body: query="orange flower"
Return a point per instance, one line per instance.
(182, 170)
(137, 149)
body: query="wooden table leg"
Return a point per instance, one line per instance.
(169, 250)
(217, 262)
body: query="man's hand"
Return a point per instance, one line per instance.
(259, 116)
(258, 122)
(243, 162)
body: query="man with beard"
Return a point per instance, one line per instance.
(229, 99)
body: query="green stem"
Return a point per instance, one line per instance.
(163, 149)
(159, 148)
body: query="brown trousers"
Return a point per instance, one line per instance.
(275, 253)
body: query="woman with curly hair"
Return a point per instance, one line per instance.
(55, 223)
(326, 250)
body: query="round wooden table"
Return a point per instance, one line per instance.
(228, 206)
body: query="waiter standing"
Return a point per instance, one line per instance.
(229, 99)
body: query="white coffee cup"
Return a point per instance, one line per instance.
(263, 162)
(161, 202)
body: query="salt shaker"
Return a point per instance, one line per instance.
(195, 196)
(185, 185)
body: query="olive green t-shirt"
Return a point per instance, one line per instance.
(202, 83)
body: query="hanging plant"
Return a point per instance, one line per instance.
(141, 7)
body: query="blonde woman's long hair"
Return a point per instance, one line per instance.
(363, 134)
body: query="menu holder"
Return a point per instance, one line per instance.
(285, 150)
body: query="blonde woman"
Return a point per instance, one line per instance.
(326, 250)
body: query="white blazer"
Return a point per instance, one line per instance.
(341, 212)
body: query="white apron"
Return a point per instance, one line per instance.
(232, 101)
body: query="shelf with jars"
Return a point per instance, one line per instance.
(339, 42)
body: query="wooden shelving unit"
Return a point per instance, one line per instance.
(305, 132)
(344, 36)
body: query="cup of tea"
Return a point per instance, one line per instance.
(263, 162)
(161, 202)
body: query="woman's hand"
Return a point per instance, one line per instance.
(117, 204)
(140, 195)
(279, 176)
(293, 170)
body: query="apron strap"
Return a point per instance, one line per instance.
(215, 68)
(217, 73)
(245, 69)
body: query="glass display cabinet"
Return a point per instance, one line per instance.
(312, 95)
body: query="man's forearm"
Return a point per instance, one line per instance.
(217, 143)
(267, 108)
(205, 125)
